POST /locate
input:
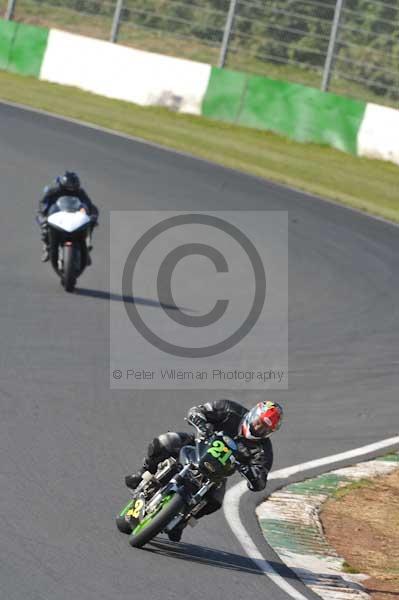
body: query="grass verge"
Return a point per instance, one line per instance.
(368, 185)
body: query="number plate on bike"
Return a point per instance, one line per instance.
(136, 511)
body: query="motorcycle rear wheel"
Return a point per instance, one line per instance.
(153, 524)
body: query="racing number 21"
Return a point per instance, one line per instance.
(220, 451)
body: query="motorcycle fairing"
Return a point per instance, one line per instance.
(69, 221)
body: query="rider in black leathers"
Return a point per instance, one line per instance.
(250, 429)
(66, 185)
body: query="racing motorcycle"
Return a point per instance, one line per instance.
(69, 226)
(177, 491)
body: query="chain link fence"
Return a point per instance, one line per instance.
(347, 46)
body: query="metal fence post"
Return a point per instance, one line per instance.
(227, 33)
(10, 10)
(116, 21)
(331, 46)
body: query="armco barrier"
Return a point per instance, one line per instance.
(299, 112)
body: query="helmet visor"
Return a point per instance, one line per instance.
(70, 181)
(259, 428)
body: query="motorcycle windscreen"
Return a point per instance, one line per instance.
(69, 204)
(187, 455)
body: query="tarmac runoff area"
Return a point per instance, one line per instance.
(290, 523)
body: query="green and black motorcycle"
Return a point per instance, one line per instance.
(178, 490)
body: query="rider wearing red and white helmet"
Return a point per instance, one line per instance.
(251, 429)
(261, 421)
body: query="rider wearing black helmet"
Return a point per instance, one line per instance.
(64, 185)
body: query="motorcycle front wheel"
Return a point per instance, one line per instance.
(156, 521)
(69, 275)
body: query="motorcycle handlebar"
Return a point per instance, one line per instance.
(201, 435)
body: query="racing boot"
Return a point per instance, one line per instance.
(88, 260)
(45, 253)
(89, 246)
(177, 532)
(134, 480)
(45, 240)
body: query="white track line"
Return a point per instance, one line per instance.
(234, 494)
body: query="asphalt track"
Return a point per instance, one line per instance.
(66, 440)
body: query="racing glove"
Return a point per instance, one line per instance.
(256, 474)
(199, 420)
(257, 479)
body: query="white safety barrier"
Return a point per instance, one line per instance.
(379, 133)
(125, 73)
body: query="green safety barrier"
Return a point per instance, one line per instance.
(301, 113)
(224, 94)
(22, 47)
(7, 34)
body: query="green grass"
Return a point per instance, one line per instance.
(347, 568)
(342, 492)
(369, 185)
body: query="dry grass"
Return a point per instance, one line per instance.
(363, 526)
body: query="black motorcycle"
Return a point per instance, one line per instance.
(69, 227)
(178, 490)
